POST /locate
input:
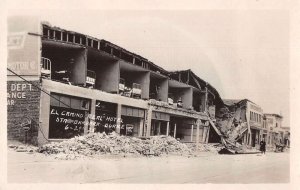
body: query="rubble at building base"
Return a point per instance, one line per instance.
(100, 144)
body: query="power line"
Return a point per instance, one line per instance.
(38, 123)
(38, 87)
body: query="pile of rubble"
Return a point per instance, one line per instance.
(100, 144)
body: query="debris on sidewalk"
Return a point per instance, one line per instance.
(23, 148)
(99, 144)
(211, 147)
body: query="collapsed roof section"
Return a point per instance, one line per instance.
(190, 78)
(232, 102)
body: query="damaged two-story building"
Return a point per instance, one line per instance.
(63, 83)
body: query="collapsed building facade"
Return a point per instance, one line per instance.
(62, 84)
(245, 123)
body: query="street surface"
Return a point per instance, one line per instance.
(208, 168)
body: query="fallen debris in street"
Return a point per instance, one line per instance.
(100, 144)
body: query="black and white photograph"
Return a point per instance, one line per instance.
(156, 95)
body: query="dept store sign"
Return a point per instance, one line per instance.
(17, 91)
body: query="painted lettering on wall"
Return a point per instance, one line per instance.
(66, 122)
(104, 122)
(17, 91)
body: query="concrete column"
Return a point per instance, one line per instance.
(119, 120)
(197, 133)
(86, 123)
(192, 133)
(93, 113)
(141, 127)
(175, 130)
(148, 122)
(159, 125)
(168, 128)
(44, 118)
(206, 99)
(250, 139)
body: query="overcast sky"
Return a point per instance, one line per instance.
(243, 54)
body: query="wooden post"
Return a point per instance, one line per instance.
(192, 133)
(207, 134)
(175, 130)
(168, 128)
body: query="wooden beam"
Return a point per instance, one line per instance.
(196, 81)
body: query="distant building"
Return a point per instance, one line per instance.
(275, 130)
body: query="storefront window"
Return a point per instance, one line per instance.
(67, 116)
(105, 118)
(132, 121)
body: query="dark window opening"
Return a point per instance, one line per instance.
(57, 35)
(83, 40)
(71, 36)
(45, 32)
(89, 42)
(77, 39)
(116, 52)
(65, 36)
(95, 44)
(51, 34)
